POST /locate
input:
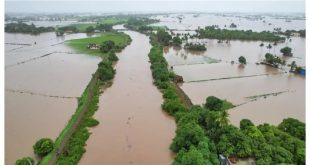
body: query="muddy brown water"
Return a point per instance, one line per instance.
(30, 114)
(190, 22)
(211, 69)
(232, 51)
(133, 128)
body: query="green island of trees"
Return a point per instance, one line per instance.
(25, 28)
(225, 34)
(287, 51)
(273, 60)
(195, 46)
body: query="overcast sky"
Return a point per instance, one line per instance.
(69, 6)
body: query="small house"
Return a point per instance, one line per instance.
(93, 46)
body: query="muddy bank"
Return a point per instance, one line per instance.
(133, 128)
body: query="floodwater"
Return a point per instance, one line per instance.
(262, 93)
(35, 106)
(133, 128)
(243, 21)
(227, 52)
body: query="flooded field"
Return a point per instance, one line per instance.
(262, 93)
(41, 90)
(254, 22)
(133, 128)
(227, 52)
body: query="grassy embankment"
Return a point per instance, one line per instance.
(70, 143)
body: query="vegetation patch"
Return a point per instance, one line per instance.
(80, 45)
(25, 28)
(223, 34)
(204, 132)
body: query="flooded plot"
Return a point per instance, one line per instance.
(133, 128)
(227, 52)
(206, 72)
(41, 91)
(29, 118)
(284, 96)
(243, 21)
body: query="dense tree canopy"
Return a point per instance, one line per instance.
(90, 29)
(224, 34)
(25, 161)
(43, 146)
(287, 51)
(25, 28)
(107, 46)
(293, 127)
(213, 103)
(197, 47)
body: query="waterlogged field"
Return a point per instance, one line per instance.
(258, 90)
(41, 91)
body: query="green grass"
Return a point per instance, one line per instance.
(113, 20)
(82, 26)
(227, 105)
(80, 45)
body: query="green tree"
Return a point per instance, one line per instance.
(287, 51)
(242, 60)
(222, 118)
(107, 46)
(213, 103)
(187, 134)
(25, 161)
(90, 29)
(191, 157)
(293, 127)
(176, 41)
(245, 123)
(43, 146)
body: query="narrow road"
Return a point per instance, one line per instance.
(133, 128)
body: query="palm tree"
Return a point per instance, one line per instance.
(222, 118)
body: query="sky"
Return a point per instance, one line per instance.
(133, 6)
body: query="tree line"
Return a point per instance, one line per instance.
(25, 28)
(224, 34)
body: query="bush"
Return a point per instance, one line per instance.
(213, 103)
(171, 106)
(112, 57)
(191, 157)
(242, 60)
(287, 51)
(25, 161)
(245, 123)
(107, 46)
(105, 70)
(187, 134)
(43, 147)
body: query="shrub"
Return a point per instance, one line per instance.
(25, 161)
(242, 60)
(213, 103)
(43, 147)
